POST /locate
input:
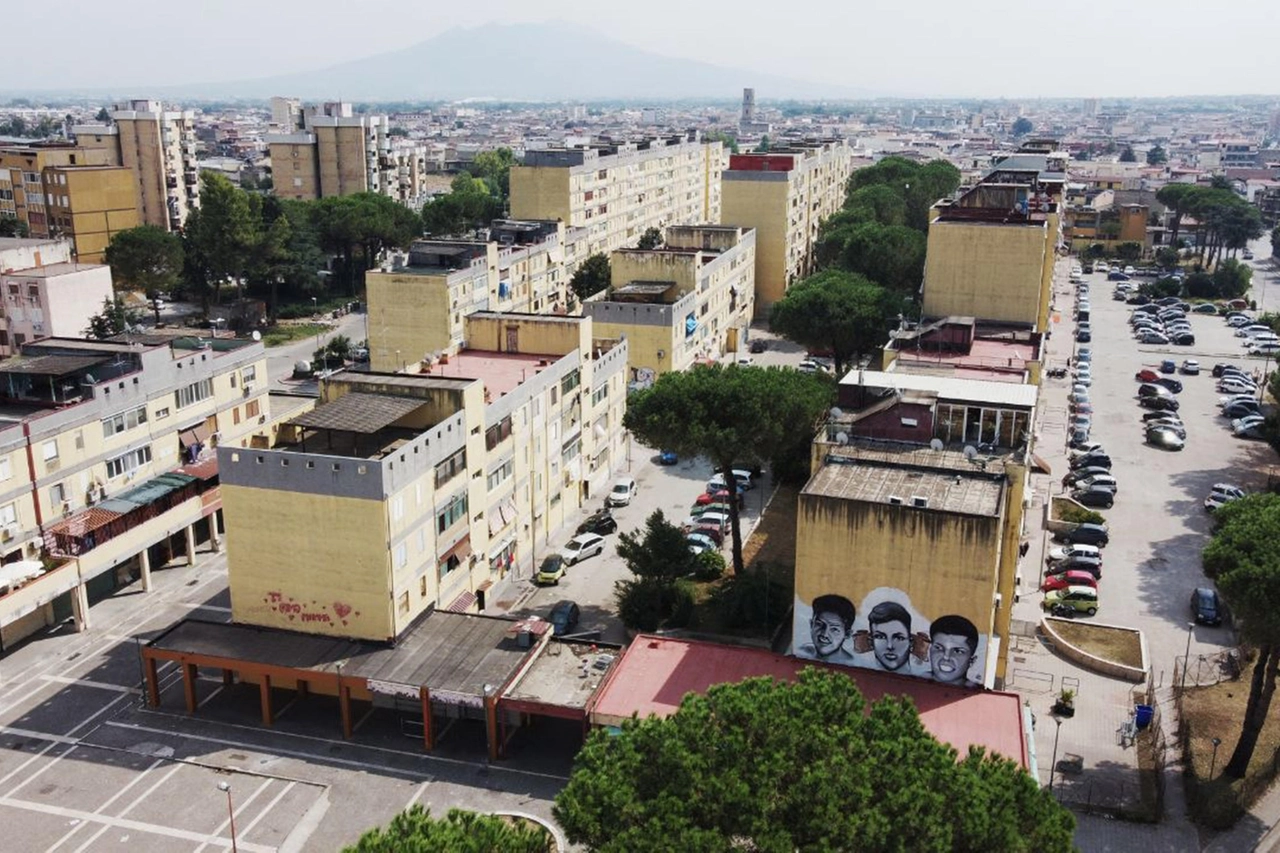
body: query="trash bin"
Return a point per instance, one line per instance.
(1142, 716)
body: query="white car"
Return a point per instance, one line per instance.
(582, 547)
(1099, 481)
(744, 360)
(1263, 348)
(1067, 551)
(1129, 270)
(1228, 489)
(622, 492)
(1101, 266)
(1086, 449)
(1217, 499)
(811, 366)
(1229, 399)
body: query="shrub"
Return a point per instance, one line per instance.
(711, 566)
(1080, 515)
(682, 607)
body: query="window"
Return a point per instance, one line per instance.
(422, 587)
(8, 515)
(454, 511)
(572, 449)
(6, 469)
(501, 474)
(235, 416)
(193, 393)
(161, 414)
(402, 555)
(404, 603)
(117, 424)
(497, 433)
(126, 462)
(451, 467)
(573, 380)
(448, 564)
(252, 409)
(599, 395)
(397, 508)
(57, 494)
(50, 450)
(249, 374)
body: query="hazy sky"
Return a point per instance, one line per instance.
(945, 48)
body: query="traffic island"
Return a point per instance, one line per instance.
(1112, 650)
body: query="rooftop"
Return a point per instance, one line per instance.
(501, 372)
(871, 481)
(991, 360)
(565, 675)
(359, 412)
(987, 391)
(656, 673)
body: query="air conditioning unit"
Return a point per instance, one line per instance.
(8, 532)
(248, 389)
(918, 501)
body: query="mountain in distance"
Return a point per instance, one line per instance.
(550, 61)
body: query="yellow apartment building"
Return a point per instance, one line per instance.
(617, 191)
(418, 306)
(328, 150)
(60, 190)
(692, 299)
(106, 463)
(159, 146)
(990, 252)
(431, 488)
(915, 512)
(784, 195)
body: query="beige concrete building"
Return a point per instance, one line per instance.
(64, 191)
(619, 190)
(418, 307)
(159, 145)
(106, 463)
(692, 299)
(991, 250)
(328, 150)
(784, 195)
(24, 253)
(433, 488)
(51, 301)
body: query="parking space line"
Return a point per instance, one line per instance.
(215, 692)
(328, 759)
(144, 795)
(41, 753)
(416, 794)
(363, 719)
(238, 808)
(275, 801)
(102, 808)
(85, 682)
(120, 823)
(10, 730)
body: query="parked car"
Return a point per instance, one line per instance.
(1152, 389)
(712, 519)
(1190, 367)
(1176, 427)
(1083, 336)
(1172, 384)
(758, 345)
(1065, 552)
(1238, 385)
(1217, 499)
(564, 617)
(1091, 460)
(1095, 498)
(1087, 534)
(551, 570)
(1066, 579)
(1183, 339)
(810, 366)
(1092, 565)
(1080, 599)
(582, 547)
(1101, 266)
(1164, 404)
(710, 529)
(717, 484)
(720, 497)
(1263, 348)
(1241, 408)
(1206, 607)
(1205, 308)
(1253, 429)
(1094, 447)
(1100, 481)
(668, 457)
(601, 522)
(1221, 367)
(1116, 275)
(745, 478)
(1166, 438)
(622, 492)
(1076, 476)
(1157, 416)
(699, 542)
(1146, 374)
(1154, 338)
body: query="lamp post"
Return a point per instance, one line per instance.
(1213, 762)
(1054, 765)
(1186, 658)
(231, 814)
(315, 308)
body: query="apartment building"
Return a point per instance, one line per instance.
(784, 195)
(159, 146)
(65, 191)
(433, 487)
(328, 150)
(907, 523)
(418, 306)
(50, 301)
(105, 463)
(23, 253)
(991, 251)
(692, 299)
(617, 191)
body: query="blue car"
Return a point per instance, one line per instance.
(668, 457)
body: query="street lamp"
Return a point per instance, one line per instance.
(1186, 659)
(1054, 765)
(231, 813)
(315, 306)
(1213, 762)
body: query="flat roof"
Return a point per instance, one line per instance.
(656, 673)
(986, 360)
(359, 411)
(50, 365)
(50, 270)
(948, 388)
(565, 675)
(501, 372)
(871, 482)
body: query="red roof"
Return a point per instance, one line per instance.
(655, 673)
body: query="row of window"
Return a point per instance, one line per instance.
(501, 474)
(117, 424)
(193, 393)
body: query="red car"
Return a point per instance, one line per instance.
(1146, 375)
(1066, 579)
(720, 497)
(714, 533)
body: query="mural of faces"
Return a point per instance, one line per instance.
(888, 634)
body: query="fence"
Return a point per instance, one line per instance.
(1206, 670)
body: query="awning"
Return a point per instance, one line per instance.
(1039, 465)
(462, 603)
(195, 435)
(20, 572)
(501, 515)
(461, 549)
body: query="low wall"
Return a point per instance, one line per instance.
(1093, 662)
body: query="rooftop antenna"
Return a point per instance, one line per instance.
(936, 444)
(842, 438)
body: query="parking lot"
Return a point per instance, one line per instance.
(1158, 523)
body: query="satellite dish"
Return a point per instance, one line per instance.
(257, 336)
(842, 438)
(970, 452)
(936, 444)
(837, 412)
